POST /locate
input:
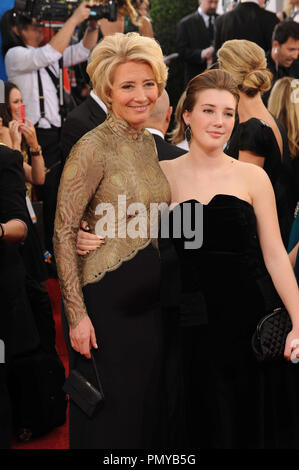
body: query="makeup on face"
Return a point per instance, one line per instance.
(134, 92)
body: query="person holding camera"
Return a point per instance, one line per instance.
(35, 70)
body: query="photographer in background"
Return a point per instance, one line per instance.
(30, 66)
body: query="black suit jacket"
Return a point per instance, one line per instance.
(192, 38)
(81, 120)
(165, 150)
(246, 21)
(278, 73)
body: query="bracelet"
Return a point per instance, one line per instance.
(35, 152)
(2, 231)
(92, 28)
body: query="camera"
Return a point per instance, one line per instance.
(48, 10)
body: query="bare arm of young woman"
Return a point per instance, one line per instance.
(275, 256)
(250, 157)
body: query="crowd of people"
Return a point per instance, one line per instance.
(153, 311)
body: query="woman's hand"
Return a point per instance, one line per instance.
(291, 350)
(83, 337)
(15, 134)
(87, 242)
(28, 130)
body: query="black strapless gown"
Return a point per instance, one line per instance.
(232, 400)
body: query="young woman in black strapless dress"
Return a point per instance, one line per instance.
(227, 284)
(229, 401)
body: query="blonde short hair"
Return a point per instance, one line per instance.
(246, 62)
(121, 48)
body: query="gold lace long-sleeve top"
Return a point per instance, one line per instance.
(112, 160)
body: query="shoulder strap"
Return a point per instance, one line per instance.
(58, 83)
(41, 95)
(96, 372)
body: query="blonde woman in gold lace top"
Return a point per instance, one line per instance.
(111, 295)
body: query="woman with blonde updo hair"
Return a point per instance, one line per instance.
(112, 295)
(258, 137)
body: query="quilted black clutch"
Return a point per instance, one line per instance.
(82, 392)
(268, 341)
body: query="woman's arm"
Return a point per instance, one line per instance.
(14, 231)
(250, 157)
(79, 181)
(36, 173)
(60, 41)
(145, 27)
(5, 137)
(275, 256)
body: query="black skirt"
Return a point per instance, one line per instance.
(124, 307)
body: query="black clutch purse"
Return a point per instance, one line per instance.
(268, 341)
(82, 392)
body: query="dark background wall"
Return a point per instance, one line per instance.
(165, 15)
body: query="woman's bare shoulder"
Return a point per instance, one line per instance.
(171, 165)
(254, 178)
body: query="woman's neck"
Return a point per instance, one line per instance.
(205, 159)
(250, 106)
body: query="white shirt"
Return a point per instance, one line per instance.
(99, 101)
(183, 145)
(155, 131)
(250, 1)
(295, 14)
(21, 65)
(205, 17)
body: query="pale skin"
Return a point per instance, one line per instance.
(206, 171)
(15, 231)
(133, 95)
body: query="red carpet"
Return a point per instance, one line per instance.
(58, 438)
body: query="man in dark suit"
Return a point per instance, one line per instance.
(85, 117)
(157, 124)
(195, 38)
(248, 20)
(282, 59)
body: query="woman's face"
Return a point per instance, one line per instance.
(134, 93)
(212, 118)
(15, 101)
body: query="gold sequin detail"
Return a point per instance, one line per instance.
(111, 160)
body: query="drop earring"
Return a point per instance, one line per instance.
(188, 133)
